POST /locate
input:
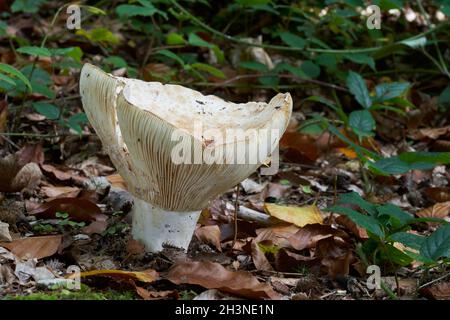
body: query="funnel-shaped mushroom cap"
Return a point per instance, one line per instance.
(175, 147)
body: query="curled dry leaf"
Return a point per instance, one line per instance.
(430, 133)
(279, 235)
(212, 275)
(439, 210)
(147, 276)
(210, 235)
(63, 176)
(300, 216)
(17, 176)
(308, 236)
(34, 247)
(79, 209)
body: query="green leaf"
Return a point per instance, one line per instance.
(7, 79)
(174, 38)
(408, 239)
(361, 58)
(48, 110)
(6, 68)
(116, 62)
(208, 68)
(28, 6)
(99, 35)
(292, 40)
(397, 217)
(128, 10)
(93, 10)
(387, 91)
(362, 123)
(269, 80)
(73, 52)
(171, 55)
(415, 43)
(195, 40)
(76, 121)
(367, 222)
(410, 161)
(356, 199)
(396, 256)
(444, 97)
(310, 69)
(35, 51)
(358, 88)
(253, 65)
(437, 245)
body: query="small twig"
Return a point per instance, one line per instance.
(236, 210)
(433, 281)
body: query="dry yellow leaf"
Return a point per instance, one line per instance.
(300, 216)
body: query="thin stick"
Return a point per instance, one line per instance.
(433, 281)
(236, 210)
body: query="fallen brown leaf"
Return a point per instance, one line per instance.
(156, 295)
(78, 209)
(438, 194)
(212, 275)
(210, 235)
(439, 210)
(259, 258)
(308, 236)
(438, 291)
(16, 176)
(55, 192)
(361, 233)
(34, 247)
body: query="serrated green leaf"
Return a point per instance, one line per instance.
(401, 217)
(362, 123)
(387, 91)
(437, 245)
(358, 88)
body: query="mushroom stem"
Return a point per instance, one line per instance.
(153, 226)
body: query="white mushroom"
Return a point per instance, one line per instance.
(176, 148)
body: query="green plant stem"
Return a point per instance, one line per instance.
(284, 48)
(441, 64)
(388, 291)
